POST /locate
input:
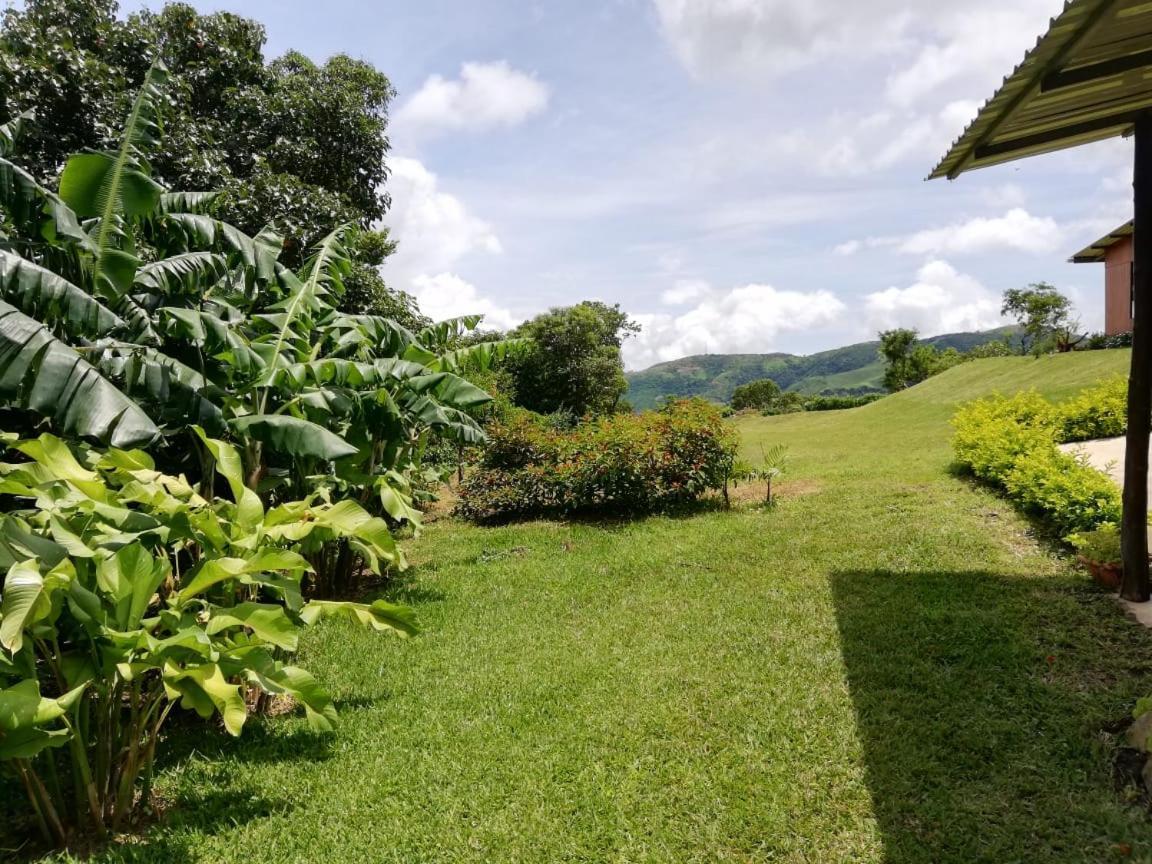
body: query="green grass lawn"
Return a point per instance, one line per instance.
(885, 668)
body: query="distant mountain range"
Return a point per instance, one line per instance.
(714, 376)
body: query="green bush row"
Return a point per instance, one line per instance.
(623, 463)
(1010, 441)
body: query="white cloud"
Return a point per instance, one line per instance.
(886, 138)
(446, 295)
(434, 228)
(436, 232)
(941, 300)
(770, 36)
(485, 96)
(1017, 230)
(684, 291)
(979, 44)
(1004, 195)
(743, 319)
(936, 42)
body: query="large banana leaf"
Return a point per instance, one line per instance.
(186, 273)
(214, 336)
(10, 132)
(117, 186)
(449, 389)
(476, 358)
(186, 202)
(42, 374)
(293, 436)
(368, 336)
(29, 204)
(51, 298)
(174, 393)
(307, 300)
(442, 333)
(112, 184)
(196, 231)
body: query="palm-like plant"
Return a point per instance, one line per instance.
(130, 314)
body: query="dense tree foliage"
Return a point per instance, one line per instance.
(906, 361)
(755, 394)
(291, 143)
(1046, 317)
(572, 360)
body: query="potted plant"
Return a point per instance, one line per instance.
(1099, 551)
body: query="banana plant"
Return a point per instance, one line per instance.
(130, 314)
(127, 595)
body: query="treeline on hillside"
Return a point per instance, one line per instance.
(765, 396)
(1046, 325)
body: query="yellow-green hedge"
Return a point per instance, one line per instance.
(1011, 443)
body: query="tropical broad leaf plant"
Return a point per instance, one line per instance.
(127, 596)
(130, 314)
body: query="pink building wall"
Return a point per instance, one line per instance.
(1118, 287)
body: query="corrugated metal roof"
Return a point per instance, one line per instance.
(1096, 252)
(1087, 79)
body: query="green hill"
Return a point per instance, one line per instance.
(715, 376)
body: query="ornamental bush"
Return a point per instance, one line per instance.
(1011, 443)
(1099, 412)
(991, 434)
(626, 463)
(1063, 489)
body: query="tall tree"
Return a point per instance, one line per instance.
(571, 361)
(760, 393)
(292, 143)
(906, 360)
(1046, 317)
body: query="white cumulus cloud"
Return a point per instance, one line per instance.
(941, 300)
(436, 232)
(743, 319)
(684, 291)
(446, 295)
(1017, 230)
(485, 96)
(434, 228)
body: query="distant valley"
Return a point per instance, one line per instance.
(714, 376)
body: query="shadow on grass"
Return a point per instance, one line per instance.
(200, 809)
(265, 742)
(980, 701)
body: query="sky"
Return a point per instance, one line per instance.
(739, 175)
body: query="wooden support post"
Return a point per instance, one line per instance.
(1134, 526)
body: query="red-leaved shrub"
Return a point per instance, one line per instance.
(623, 463)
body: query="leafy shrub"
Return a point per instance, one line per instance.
(991, 434)
(840, 403)
(1099, 412)
(760, 393)
(787, 403)
(1103, 341)
(1069, 493)
(1011, 442)
(634, 463)
(129, 594)
(1101, 546)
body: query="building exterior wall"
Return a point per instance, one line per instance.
(1118, 287)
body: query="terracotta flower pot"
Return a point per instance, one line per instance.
(1106, 573)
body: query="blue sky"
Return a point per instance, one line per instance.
(740, 175)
